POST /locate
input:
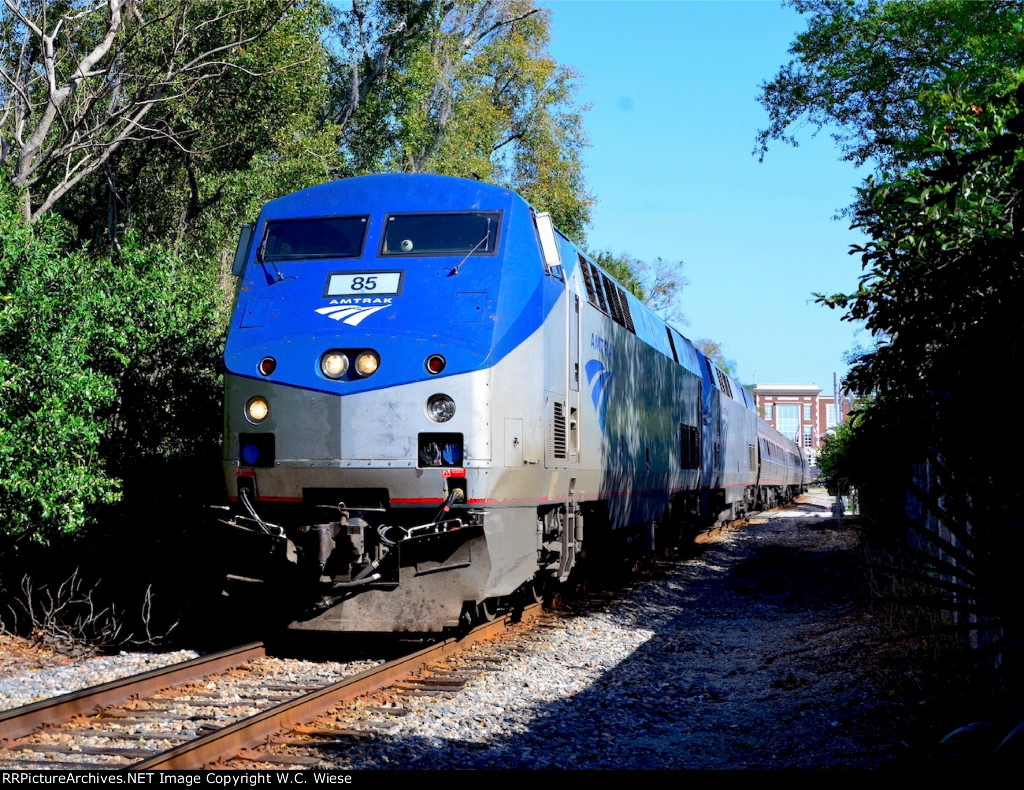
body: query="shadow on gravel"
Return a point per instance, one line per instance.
(811, 507)
(798, 577)
(753, 654)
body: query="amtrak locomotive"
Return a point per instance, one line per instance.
(437, 404)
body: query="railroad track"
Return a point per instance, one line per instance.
(180, 718)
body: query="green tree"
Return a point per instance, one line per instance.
(80, 83)
(463, 88)
(932, 93)
(50, 397)
(658, 285)
(254, 133)
(714, 351)
(189, 118)
(942, 287)
(874, 73)
(943, 273)
(834, 460)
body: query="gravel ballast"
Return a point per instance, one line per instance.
(37, 675)
(760, 652)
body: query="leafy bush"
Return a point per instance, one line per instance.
(106, 361)
(941, 292)
(833, 459)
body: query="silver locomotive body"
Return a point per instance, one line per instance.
(437, 404)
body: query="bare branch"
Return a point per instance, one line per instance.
(413, 22)
(506, 141)
(475, 38)
(65, 128)
(71, 618)
(57, 96)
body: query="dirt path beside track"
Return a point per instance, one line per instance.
(788, 651)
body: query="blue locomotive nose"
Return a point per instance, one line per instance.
(361, 300)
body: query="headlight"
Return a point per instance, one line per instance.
(367, 363)
(256, 409)
(333, 364)
(440, 408)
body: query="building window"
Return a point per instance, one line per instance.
(830, 415)
(808, 435)
(807, 412)
(787, 421)
(767, 411)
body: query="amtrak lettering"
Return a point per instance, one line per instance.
(363, 300)
(602, 346)
(352, 310)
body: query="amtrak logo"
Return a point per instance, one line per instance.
(598, 377)
(353, 312)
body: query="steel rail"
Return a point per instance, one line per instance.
(223, 744)
(19, 722)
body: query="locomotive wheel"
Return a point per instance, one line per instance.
(487, 610)
(533, 591)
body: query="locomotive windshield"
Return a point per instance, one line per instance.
(441, 234)
(321, 237)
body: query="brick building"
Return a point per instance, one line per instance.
(800, 412)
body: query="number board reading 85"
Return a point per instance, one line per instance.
(364, 284)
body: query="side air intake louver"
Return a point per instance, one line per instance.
(605, 295)
(689, 447)
(587, 279)
(627, 317)
(614, 307)
(602, 302)
(558, 444)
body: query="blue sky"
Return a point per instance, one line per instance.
(673, 89)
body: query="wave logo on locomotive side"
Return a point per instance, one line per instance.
(353, 311)
(598, 377)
